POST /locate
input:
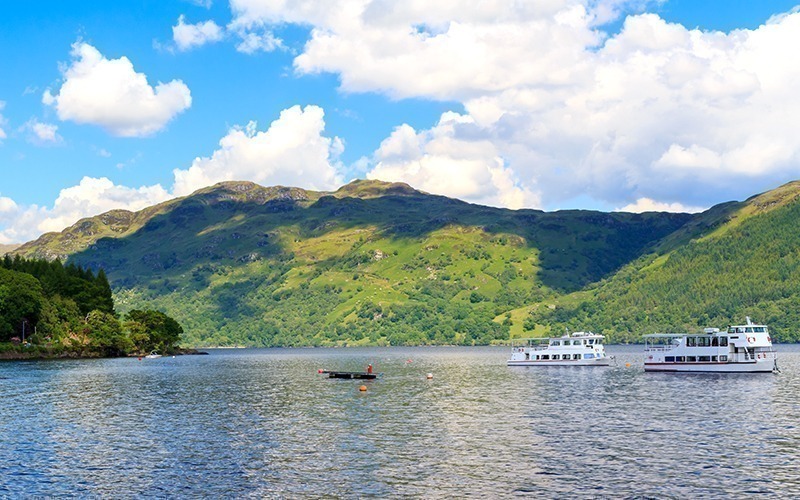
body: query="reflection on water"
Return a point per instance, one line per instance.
(265, 423)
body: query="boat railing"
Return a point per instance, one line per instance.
(750, 355)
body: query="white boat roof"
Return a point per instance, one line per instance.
(706, 332)
(576, 335)
(667, 335)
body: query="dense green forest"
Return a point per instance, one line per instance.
(51, 309)
(377, 263)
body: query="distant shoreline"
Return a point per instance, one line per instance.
(37, 355)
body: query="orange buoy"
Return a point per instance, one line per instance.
(627, 365)
(319, 371)
(363, 388)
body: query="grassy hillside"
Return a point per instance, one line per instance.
(240, 264)
(745, 260)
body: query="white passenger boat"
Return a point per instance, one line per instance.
(742, 348)
(578, 349)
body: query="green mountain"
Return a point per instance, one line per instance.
(735, 260)
(372, 263)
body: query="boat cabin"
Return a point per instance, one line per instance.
(578, 348)
(740, 344)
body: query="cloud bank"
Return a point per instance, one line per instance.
(292, 151)
(654, 111)
(551, 107)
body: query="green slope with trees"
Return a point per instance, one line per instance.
(745, 262)
(372, 263)
(378, 263)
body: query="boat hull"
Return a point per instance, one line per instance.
(577, 362)
(358, 375)
(766, 366)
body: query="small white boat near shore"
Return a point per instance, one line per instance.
(739, 349)
(578, 349)
(153, 355)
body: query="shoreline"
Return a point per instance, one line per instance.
(37, 355)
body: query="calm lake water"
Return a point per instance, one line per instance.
(264, 423)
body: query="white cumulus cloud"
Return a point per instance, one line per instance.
(189, 36)
(111, 94)
(444, 161)
(92, 196)
(648, 205)
(293, 151)
(7, 206)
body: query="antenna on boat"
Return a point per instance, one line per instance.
(748, 320)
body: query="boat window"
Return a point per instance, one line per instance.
(704, 359)
(714, 341)
(545, 356)
(680, 359)
(723, 358)
(588, 356)
(669, 359)
(556, 356)
(714, 359)
(759, 329)
(577, 342)
(556, 342)
(723, 341)
(691, 359)
(749, 329)
(691, 341)
(576, 356)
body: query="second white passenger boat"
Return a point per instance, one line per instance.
(578, 349)
(740, 349)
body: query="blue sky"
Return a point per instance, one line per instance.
(605, 104)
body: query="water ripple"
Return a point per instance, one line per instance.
(263, 423)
